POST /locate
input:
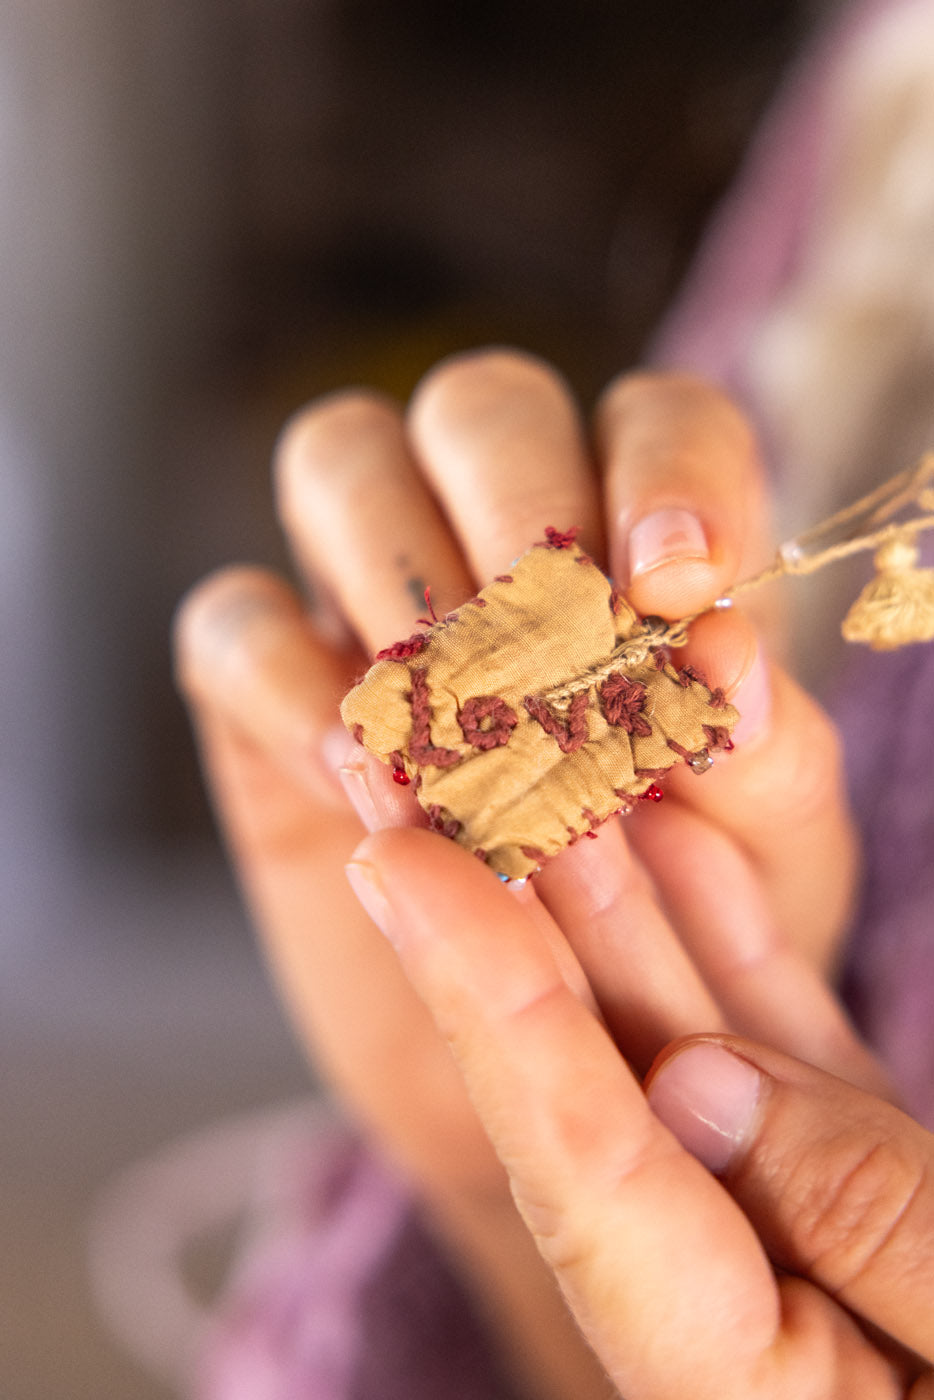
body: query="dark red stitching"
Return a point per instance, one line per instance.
(593, 822)
(445, 826)
(478, 602)
(532, 853)
(691, 673)
(680, 750)
(478, 708)
(584, 559)
(421, 749)
(481, 854)
(656, 774)
(358, 733)
(617, 597)
(622, 702)
(503, 578)
(558, 539)
(401, 651)
(717, 698)
(433, 618)
(718, 738)
(571, 733)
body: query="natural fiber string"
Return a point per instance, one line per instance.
(895, 608)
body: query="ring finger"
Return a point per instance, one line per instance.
(360, 518)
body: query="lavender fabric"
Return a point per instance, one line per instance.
(889, 976)
(358, 1304)
(347, 1300)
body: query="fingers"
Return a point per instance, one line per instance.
(594, 1176)
(665, 1276)
(767, 988)
(839, 1185)
(501, 440)
(684, 490)
(360, 516)
(377, 508)
(245, 651)
(642, 975)
(264, 691)
(780, 796)
(687, 518)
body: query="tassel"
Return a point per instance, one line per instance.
(897, 606)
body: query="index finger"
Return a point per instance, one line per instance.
(686, 502)
(663, 1272)
(688, 516)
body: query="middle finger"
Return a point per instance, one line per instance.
(499, 437)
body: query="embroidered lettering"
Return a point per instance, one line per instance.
(487, 721)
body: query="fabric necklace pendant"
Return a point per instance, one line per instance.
(537, 711)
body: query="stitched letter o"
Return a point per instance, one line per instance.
(487, 721)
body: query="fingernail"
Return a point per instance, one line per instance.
(666, 534)
(337, 747)
(753, 699)
(708, 1097)
(366, 885)
(353, 778)
(345, 759)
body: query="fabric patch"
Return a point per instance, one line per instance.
(529, 719)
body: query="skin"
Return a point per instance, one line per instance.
(530, 1058)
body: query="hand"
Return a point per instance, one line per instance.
(492, 450)
(670, 1276)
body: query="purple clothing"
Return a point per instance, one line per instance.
(348, 1300)
(889, 976)
(358, 1305)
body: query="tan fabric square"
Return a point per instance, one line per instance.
(536, 711)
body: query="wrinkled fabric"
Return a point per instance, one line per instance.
(504, 759)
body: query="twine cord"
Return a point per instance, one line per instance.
(864, 524)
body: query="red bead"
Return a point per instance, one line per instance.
(400, 776)
(651, 794)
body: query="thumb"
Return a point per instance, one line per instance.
(838, 1184)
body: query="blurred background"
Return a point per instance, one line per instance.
(211, 210)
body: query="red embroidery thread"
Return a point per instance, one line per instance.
(401, 651)
(421, 749)
(445, 826)
(571, 732)
(718, 738)
(622, 702)
(687, 674)
(433, 616)
(502, 721)
(558, 539)
(533, 853)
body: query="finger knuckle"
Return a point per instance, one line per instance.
(796, 775)
(479, 379)
(324, 436)
(663, 388)
(813, 768)
(561, 1236)
(212, 617)
(850, 1228)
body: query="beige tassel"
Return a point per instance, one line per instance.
(897, 607)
